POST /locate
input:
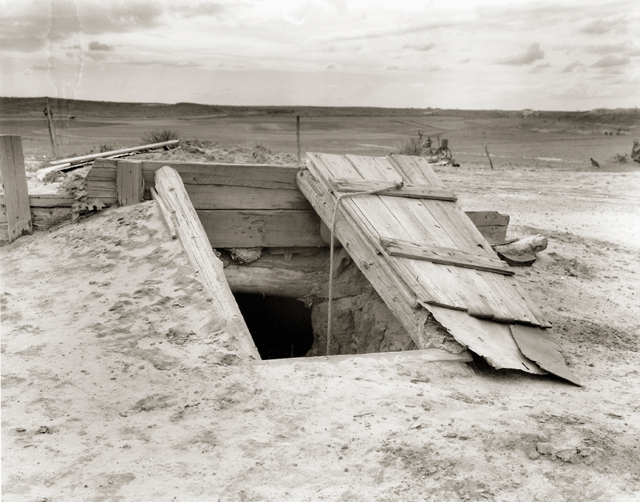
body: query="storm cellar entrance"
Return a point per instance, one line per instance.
(281, 327)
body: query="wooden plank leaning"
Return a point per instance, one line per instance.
(14, 181)
(209, 268)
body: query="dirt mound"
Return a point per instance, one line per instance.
(209, 151)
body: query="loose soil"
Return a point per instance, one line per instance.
(117, 385)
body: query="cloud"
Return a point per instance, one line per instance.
(610, 61)
(201, 9)
(604, 26)
(572, 66)
(118, 17)
(420, 47)
(330, 66)
(540, 67)
(465, 60)
(533, 53)
(97, 46)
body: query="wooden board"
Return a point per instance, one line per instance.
(442, 255)
(430, 223)
(129, 183)
(208, 267)
(540, 346)
(476, 306)
(488, 339)
(257, 228)
(354, 185)
(14, 182)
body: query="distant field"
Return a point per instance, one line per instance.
(553, 139)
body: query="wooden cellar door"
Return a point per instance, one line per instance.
(425, 257)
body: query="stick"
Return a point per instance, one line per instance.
(165, 213)
(298, 134)
(488, 156)
(52, 131)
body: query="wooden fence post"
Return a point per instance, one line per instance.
(14, 181)
(130, 184)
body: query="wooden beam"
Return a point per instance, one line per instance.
(257, 228)
(129, 182)
(207, 265)
(14, 181)
(407, 190)
(443, 256)
(93, 156)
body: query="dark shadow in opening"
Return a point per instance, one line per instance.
(280, 327)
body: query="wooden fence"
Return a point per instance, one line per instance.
(239, 205)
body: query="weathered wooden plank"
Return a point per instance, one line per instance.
(404, 220)
(237, 197)
(129, 182)
(100, 173)
(261, 228)
(3, 214)
(407, 190)
(166, 214)
(488, 218)
(424, 228)
(14, 181)
(207, 265)
(51, 200)
(540, 346)
(505, 304)
(489, 339)
(395, 293)
(4, 232)
(94, 156)
(445, 256)
(247, 175)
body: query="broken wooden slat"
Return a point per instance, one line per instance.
(407, 190)
(14, 181)
(130, 185)
(445, 256)
(206, 264)
(540, 346)
(488, 339)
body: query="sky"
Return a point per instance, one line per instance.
(484, 54)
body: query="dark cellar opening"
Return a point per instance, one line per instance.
(280, 327)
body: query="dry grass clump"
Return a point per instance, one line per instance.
(160, 135)
(411, 146)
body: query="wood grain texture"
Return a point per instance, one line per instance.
(540, 346)
(261, 228)
(14, 182)
(446, 256)
(352, 185)
(489, 339)
(208, 267)
(129, 183)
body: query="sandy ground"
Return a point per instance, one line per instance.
(116, 387)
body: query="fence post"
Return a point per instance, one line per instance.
(14, 182)
(130, 184)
